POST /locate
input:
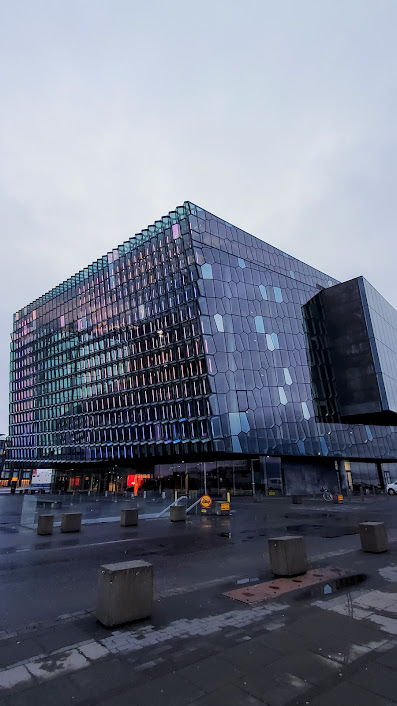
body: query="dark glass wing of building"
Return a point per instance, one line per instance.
(352, 339)
(185, 342)
(3, 439)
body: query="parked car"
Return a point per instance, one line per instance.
(391, 488)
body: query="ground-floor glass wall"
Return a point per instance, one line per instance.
(271, 475)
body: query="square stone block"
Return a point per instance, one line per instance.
(287, 555)
(129, 517)
(125, 592)
(221, 508)
(373, 537)
(178, 513)
(71, 522)
(45, 524)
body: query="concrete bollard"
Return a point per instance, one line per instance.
(71, 522)
(297, 500)
(45, 524)
(178, 513)
(287, 555)
(125, 592)
(373, 537)
(129, 517)
(221, 508)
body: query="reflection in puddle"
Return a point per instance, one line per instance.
(332, 586)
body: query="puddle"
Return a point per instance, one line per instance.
(331, 587)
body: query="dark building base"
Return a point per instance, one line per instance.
(239, 475)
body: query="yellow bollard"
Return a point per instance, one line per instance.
(228, 497)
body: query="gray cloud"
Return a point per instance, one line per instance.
(279, 117)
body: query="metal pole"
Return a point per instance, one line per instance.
(252, 477)
(205, 478)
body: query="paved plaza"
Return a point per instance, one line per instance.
(321, 645)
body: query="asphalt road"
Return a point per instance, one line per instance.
(44, 577)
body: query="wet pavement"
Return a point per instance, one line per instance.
(200, 646)
(64, 567)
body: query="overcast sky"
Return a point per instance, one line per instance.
(279, 116)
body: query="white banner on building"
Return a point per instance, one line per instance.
(42, 477)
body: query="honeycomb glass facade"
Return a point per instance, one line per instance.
(185, 342)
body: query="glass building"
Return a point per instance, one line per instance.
(182, 350)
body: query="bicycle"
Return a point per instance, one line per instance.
(327, 496)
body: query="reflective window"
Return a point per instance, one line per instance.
(263, 291)
(236, 444)
(270, 342)
(219, 322)
(141, 311)
(259, 325)
(244, 422)
(241, 262)
(235, 423)
(283, 396)
(274, 338)
(324, 447)
(278, 295)
(206, 271)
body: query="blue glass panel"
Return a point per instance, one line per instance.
(216, 427)
(269, 341)
(263, 291)
(235, 423)
(206, 271)
(236, 444)
(278, 295)
(219, 322)
(324, 447)
(259, 326)
(283, 396)
(244, 422)
(275, 340)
